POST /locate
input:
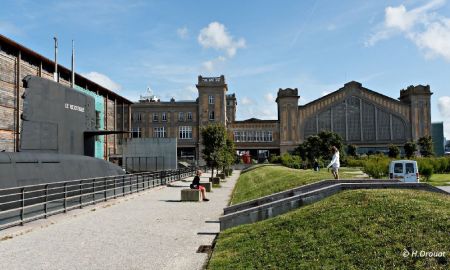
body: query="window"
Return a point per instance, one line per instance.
(211, 115)
(155, 117)
(97, 120)
(189, 116)
(159, 132)
(237, 136)
(398, 168)
(136, 132)
(409, 167)
(136, 117)
(253, 136)
(186, 132)
(164, 116)
(181, 116)
(211, 99)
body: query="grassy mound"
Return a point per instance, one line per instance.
(439, 180)
(266, 180)
(359, 229)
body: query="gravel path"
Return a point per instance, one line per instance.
(148, 230)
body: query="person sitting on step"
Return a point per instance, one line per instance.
(196, 185)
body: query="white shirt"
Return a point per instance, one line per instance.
(335, 161)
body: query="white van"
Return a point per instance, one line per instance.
(404, 170)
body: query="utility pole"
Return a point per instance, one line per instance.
(55, 75)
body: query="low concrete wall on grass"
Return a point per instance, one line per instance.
(283, 202)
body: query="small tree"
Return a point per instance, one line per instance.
(410, 149)
(394, 152)
(351, 150)
(318, 146)
(227, 154)
(329, 139)
(214, 139)
(426, 171)
(426, 146)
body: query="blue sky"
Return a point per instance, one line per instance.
(260, 46)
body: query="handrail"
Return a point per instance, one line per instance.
(31, 202)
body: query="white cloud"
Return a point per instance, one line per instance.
(183, 32)
(422, 25)
(247, 101)
(444, 110)
(331, 27)
(9, 28)
(265, 109)
(324, 93)
(208, 65)
(269, 97)
(187, 93)
(436, 39)
(211, 65)
(216, 36)
(103, 80)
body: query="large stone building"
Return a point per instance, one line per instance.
(17, 61)
(361, 116)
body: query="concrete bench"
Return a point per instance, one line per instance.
(207, 185)
(191, 195)
(214, 180)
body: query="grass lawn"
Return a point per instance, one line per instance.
(439, 180)
(358, 229)
(266, 180)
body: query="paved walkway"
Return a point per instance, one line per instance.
(445, 188)
(148, 230)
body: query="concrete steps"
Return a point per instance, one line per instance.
(283, 202)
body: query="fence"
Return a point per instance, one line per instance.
(27, 203)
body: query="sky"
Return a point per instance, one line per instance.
(259, 46)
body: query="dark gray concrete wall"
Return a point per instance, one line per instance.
(283, 202)
(154, 153)
(20, 169)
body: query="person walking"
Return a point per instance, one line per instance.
(196, 185)
(335, 164)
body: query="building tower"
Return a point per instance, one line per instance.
(418, 98)
(231, 108)
(211, 104)
(287, 101)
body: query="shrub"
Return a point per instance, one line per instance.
(291, 161)
(426, 171)
(351, 150)
(426, 146)
(377, 166)
(355, 162)
(410, 149)
(394, 152)
(275, 159)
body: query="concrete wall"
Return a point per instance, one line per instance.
(283, 202)
(150, 154)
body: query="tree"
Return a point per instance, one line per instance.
(426, 146)
(329, 139)
(394, 152)
(227, 154)
(319, 146)
(213, 140)
(351, 150)
(410, 149)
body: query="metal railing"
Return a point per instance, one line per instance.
(19, 205)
